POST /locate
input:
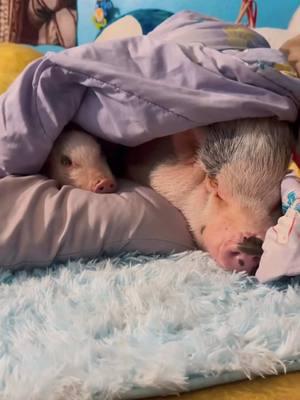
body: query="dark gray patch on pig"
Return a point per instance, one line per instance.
(202, 229)
(262, 142)
(241, 263)
(252, 246)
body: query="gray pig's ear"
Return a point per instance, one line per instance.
(211, 184)
(201, 164)
(199, 135)
(185, 146)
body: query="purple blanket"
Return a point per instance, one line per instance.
(190, 71)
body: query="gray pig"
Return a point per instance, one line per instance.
(225, 179)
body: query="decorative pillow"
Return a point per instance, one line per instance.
(14, 58)
(135, 23)
(41, 224)
(124, 27)
(294, 25)
(277, 37)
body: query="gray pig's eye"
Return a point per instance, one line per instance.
(65, 161)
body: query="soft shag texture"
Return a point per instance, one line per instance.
(134, 326)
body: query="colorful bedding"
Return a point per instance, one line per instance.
(198, 78)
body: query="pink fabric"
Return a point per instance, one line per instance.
(281, 247)
(41, 224)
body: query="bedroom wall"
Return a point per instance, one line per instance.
(273, 13)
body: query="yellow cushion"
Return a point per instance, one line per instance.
(283, 387)
(294, 167)
(13, 59)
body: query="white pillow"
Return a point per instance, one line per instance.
(41, 224)
(294, 25)
(124, 27)
(277, 37)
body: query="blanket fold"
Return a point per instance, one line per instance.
(134, 90)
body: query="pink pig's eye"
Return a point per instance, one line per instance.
(65, 161)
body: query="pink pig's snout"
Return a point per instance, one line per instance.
(105, 185)
(242, 256)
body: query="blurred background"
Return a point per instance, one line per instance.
(69, 22)
(271, 13)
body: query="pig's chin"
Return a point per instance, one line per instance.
(214, 250)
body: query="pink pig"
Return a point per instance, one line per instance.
(225, 179)
(77, 159)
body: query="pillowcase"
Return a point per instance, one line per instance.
(41, 224)
(124, 27)
(136, 23)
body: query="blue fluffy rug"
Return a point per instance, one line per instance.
(135, 326)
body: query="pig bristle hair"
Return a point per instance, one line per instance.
(246, 151)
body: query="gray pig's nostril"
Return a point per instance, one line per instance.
(251, 246)
(241, 263)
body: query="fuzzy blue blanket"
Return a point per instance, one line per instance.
(135, 326)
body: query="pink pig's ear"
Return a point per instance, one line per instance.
(211, 184)
(186, 144)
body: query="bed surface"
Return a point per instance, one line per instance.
(283, 387)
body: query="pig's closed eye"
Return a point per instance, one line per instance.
(65, 161)
(219, 196)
